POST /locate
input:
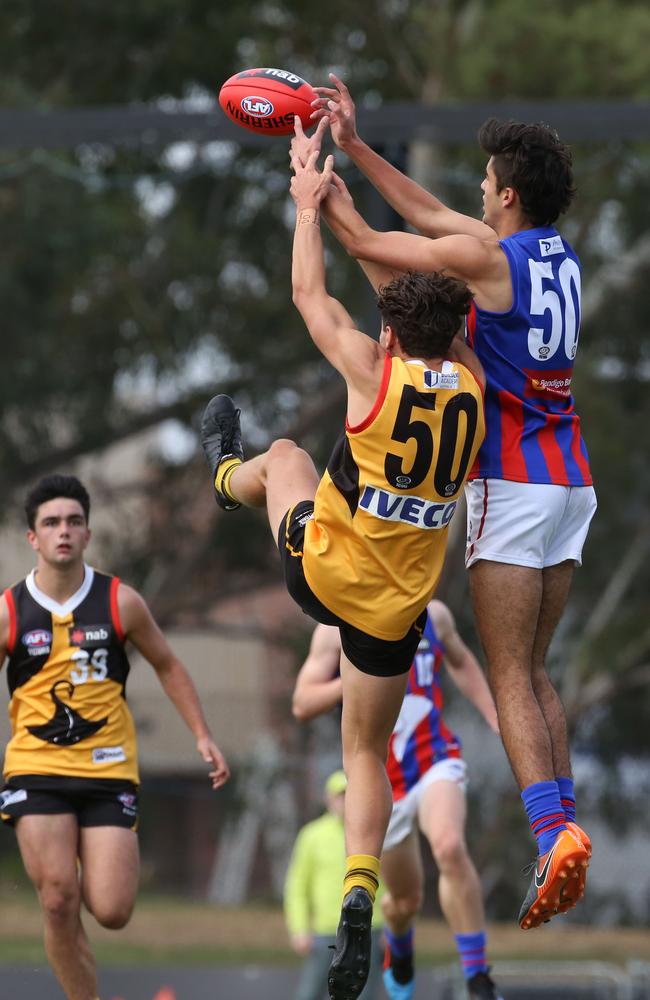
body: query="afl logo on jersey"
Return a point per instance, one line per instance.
(89, 635)
(38, 642)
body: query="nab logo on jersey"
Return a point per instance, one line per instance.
(88, 636)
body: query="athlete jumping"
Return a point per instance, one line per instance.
(363, 547)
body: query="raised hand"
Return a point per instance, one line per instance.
(338, 190)
(335, 104)
(308, 185)
(302, 146)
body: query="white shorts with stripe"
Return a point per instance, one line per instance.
(405, 811)
(527, 524)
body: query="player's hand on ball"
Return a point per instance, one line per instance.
(337, 106)
(302, 146)
(308, 185)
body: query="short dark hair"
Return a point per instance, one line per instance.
(424, 310)
(532, 160)
(51, 487)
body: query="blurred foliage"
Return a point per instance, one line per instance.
(135, 281)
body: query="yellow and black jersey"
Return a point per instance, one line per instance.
(375, 547)
(67, 672)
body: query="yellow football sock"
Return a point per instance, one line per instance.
(224, 471)
(363, 870)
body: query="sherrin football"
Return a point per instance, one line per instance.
(267, 100)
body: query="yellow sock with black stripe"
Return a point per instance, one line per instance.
(224, 471)
(362, 870)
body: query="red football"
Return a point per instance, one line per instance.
(267, 100)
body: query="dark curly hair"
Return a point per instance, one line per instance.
(532, 160)
(52, 487)
(424, 310)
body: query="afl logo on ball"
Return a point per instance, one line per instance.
(257, 106)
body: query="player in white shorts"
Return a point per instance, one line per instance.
(527, 524)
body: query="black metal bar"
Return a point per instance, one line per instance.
(577, 121)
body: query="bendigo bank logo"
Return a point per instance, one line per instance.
(549, 384)
(257, 106)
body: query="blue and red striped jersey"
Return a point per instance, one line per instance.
(420, 737)
(533, 432)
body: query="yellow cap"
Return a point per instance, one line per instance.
(336, 783)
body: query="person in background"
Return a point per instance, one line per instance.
(312, 895)
(71, 767)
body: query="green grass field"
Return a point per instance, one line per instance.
(181, 932)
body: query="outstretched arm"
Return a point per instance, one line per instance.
(328, 322)
(462, 256)
(462, 666)
(422, 210)
(140, 627)
(318, 685)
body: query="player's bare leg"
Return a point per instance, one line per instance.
(403, 875)
(556, 583)
(110, 868)
(280, 477)
(507, 601)
(48, 845)
(507, 604)
(442, 815)
(370, 709)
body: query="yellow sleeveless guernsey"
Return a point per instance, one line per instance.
(67, 673)
(375, 547)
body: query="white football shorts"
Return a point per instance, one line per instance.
(527, 524)
(405, 811)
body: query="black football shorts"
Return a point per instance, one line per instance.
(379, 657)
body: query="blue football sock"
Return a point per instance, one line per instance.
(567, 798)
(471, 948)
(402, 946)
(545, 813)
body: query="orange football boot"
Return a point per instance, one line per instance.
(580, 835)
(555, 886)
